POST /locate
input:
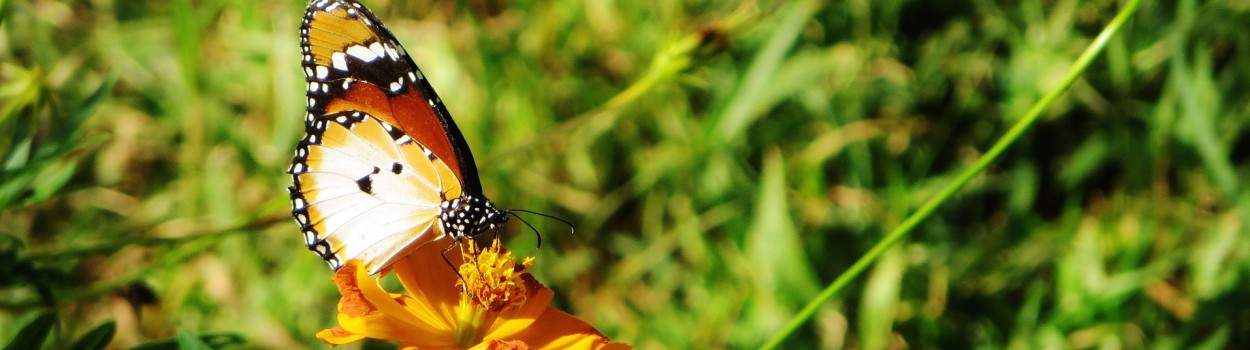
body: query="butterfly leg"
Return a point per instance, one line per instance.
(474, 251)
(443, 254)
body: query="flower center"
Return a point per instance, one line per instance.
(490, 282)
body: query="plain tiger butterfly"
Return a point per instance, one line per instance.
(382, 169)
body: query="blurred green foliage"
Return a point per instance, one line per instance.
(722, 162)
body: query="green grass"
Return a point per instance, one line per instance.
(723, 163)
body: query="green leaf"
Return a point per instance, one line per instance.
(744, 107)
(881, 297)
(33, 335)
(69, 131)
(1088, 158)
(14, 185)
(188, 340)
(52, 178)
(775, 248)
(98, 338)
(3, 13)
(35, 178)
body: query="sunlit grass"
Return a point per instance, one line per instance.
(722, 162)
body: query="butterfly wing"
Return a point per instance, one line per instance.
(352, 62)
(366, 190)
(383, 169)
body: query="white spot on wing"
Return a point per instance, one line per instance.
(338, 60)
(363, 53)
(322, 72)
(390, 50)
(377, 49)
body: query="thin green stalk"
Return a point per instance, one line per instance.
(929, 206)
(117, 244)
(667, 65)
(184, 248)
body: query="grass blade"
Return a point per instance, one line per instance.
(98, 338)
(34, 334)
(983, 162)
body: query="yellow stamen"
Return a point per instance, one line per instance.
(490, 281)
(492, 277)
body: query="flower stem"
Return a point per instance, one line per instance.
(929, 206)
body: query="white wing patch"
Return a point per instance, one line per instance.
(369, 191)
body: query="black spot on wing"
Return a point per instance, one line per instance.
(366, 184)
(397, 168)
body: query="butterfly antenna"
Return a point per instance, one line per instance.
(572, 229)
(527, 223)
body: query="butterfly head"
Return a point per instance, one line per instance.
(470, 215)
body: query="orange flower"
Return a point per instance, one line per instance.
(493, 304)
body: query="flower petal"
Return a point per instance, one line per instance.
(369, 311)
(512, 321)
(432, 285)
(501, 345)
(338, 336)
(543, 327)
(556, 329)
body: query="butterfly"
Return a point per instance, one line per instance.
(382, 169)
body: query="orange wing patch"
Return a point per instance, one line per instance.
(353, 63)
(337, 27)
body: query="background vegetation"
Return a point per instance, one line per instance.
(722, 162)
